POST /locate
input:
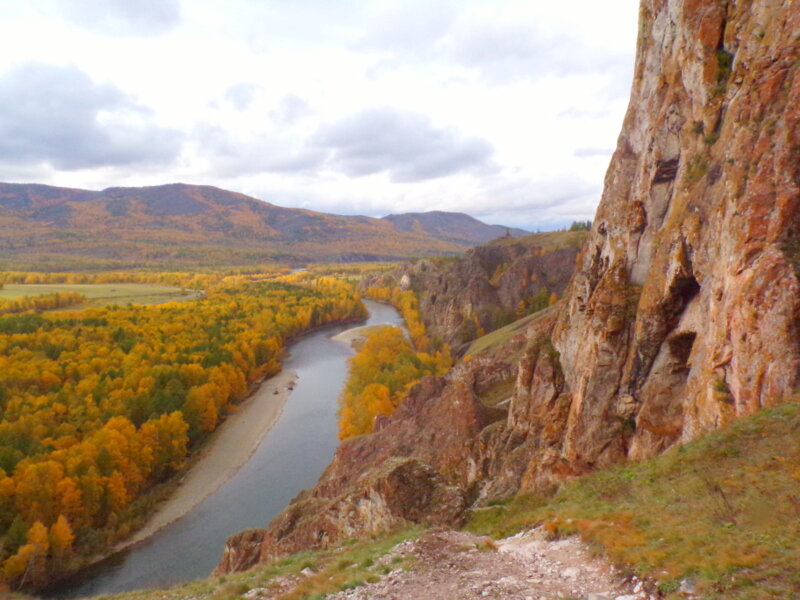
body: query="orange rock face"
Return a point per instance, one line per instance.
(685, 310)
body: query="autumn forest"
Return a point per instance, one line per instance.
(101, 406)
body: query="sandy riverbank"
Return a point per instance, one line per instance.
(354, 337)
(230, 447)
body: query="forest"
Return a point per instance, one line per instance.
(387, 364)
(98, 407)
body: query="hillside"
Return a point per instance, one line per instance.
(683, 315)
(490, 286)
(456, 227)
(187, 225)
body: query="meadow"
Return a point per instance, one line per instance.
(102, 294)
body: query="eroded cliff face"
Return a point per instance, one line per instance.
(684, 312)
(490, 286)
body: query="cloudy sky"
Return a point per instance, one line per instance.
(508, 110)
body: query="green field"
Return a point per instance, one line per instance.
(103, 294)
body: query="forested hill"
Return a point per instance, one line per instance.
(458, 227)
(185, 225)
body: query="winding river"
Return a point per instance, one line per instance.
(291, 457)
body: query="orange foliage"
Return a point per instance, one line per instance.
(97, 406)
(379, 376)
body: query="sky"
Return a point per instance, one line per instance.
(505, 110)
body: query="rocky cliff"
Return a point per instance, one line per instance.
(490, 286)
(685, 309)
(684, 312)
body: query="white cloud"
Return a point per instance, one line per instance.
(123, 17)
(497, 108)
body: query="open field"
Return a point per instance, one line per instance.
(102, 294)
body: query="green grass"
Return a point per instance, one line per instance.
(351, 564)
(724, 510)
(102, 294)
(549, 240)
(501, 336)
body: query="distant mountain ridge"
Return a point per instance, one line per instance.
(182, 225)
(458, 227)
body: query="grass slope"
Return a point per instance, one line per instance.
(500, 337)
(101, 294)
(549, 240)
(723, 511)
(350, 565)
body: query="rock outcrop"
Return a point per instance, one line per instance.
(684, 313)
(490, 286)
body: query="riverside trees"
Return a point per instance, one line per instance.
(387, 365)
(98, 406)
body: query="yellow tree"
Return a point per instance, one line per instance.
(61, 538)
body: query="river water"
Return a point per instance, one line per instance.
(290, 458)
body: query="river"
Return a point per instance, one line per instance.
(291, 457)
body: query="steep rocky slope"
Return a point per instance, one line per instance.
(684, 313)
(685, 310)
(490, 286)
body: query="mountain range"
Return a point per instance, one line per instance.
(182, 225)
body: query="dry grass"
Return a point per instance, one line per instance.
(724, 510)
(102, 294)
(500, 337)
(351, 564)
(549, 240)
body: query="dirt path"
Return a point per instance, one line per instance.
(228, 450)
(455, 565)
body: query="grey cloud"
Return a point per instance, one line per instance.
(233, 158)
(57, 115)
(536, 203)
(124, 17)
(405, 145)
(241, 95)
(291, 109)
